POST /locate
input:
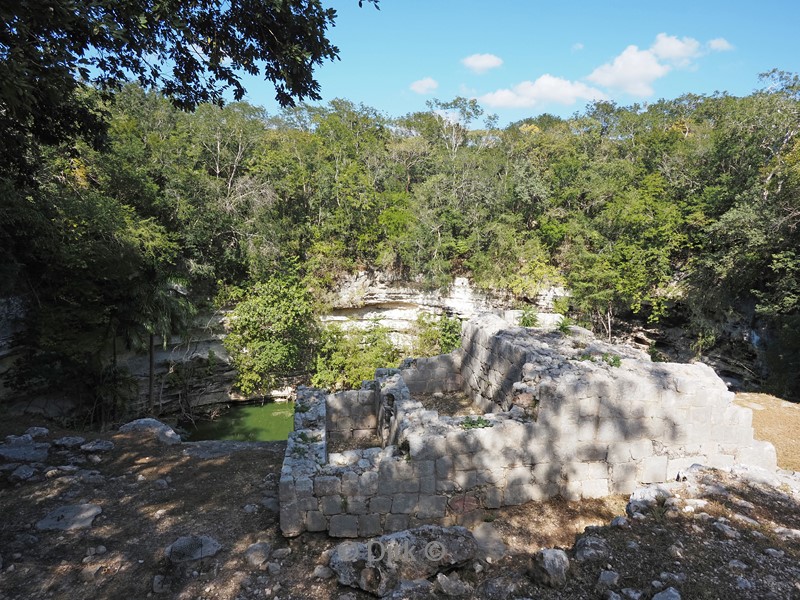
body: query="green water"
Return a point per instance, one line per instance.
(268, 422)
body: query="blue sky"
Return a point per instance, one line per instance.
(522, 58)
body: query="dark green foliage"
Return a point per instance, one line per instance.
(272, 332)
(564, 325)
(193, 51)
(529, 318)
(475, 423)
(436, 336)
(689, 203)
(346, 357)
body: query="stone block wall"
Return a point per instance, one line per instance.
(351, 414)
(357, 493)
(565, 415)
(436, 374)
(610, 416)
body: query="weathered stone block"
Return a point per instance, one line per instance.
(286, 489)
(613, 430)
(327, 485)
(463, 462)
(335, 402)
(490, 461)
(424, 468)
(308, 503)
(427, 485)
(760, 454)
(678, 432)
(492, 497)
(292, 521)
(515, 456)
(446, 485)
(594, 488)
(387, 485)
(589, 407)
(545, 472)
(404, 503)
(425, 447)
(491, 476)
(465, 480)
(700, 415)
(369, 525)
(395, 522)
(641, 449)
(619, 453)
(343, 526)
(350, 481)
(316, 521)
(355, 505)
(431, 507)
(405, 486)
(332, 505)
(586, 429)
(304, 487)
(654, 469)
(518, 476)
(514, 495)
(380, 504)
(584, 471)
(368, 483)
(655, 429)
(719, 461)
(363, 433)
(624, 477)
(592, 452)
(396, 469)
(444, 467)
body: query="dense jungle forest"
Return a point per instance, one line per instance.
(684, 210)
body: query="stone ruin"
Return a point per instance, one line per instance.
(560, 414)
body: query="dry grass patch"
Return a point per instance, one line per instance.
(776, 421)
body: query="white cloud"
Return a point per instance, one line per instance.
(720, 45)
(424, 86)
(678, 51)
(633, 72)
(546, 88)
(577, 47)
(480, 63)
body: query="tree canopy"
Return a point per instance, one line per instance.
(687, 209)
(192, 51)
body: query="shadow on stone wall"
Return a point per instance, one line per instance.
(563, 415)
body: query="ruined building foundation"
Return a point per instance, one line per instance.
(562, 415)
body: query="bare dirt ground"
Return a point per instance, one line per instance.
(451, 404)
(152, 494)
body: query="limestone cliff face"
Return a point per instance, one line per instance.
(195, 371)
(368, 297)
(190, 371)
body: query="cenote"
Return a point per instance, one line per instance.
(268, 422)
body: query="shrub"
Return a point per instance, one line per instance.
(436, 336)
(475, 423)
(529, 318)
(345, 358)
(564, 325)
(272, 332)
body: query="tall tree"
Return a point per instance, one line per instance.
(193, 51)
